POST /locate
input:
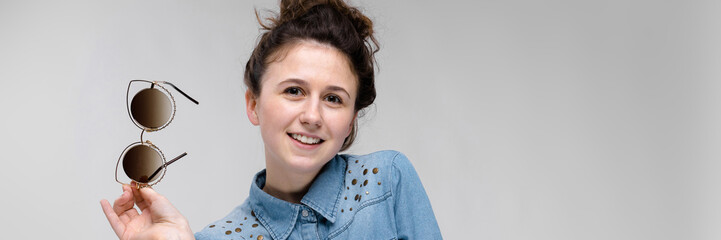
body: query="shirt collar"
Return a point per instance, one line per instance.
(325, 192)
(323, 196)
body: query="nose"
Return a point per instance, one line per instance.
(311, 114)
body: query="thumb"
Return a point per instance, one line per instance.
(149, 195)
(145, 197)
(158, 204)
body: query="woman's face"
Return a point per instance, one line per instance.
(306, 107)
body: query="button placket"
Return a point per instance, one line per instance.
(309, 226)
(307, 215)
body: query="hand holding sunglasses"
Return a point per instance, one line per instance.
(151, 109)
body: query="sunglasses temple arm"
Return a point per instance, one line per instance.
(166, 165)
(181, 92)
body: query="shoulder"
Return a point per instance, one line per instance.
(385, 157)
(386, 162)
(240, 223)
(369, 173)
(372, 186)
(369, 177)
(388, 165)
(391, 159)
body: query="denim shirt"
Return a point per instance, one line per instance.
(374, 196)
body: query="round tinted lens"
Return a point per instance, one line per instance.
(151, 108)
(140, 162)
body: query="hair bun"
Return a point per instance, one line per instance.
(293, 9)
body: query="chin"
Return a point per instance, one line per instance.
(309, 158)
(294, 157)
(308, 163)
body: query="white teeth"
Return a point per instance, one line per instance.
(304, 139)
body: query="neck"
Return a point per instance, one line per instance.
(286, 185)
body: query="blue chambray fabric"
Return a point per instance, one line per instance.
(373, 196)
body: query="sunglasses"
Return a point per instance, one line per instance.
(152, 108)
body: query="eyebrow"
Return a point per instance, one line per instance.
(301, 82)
(294, 80)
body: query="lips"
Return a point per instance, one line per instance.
(306, 139)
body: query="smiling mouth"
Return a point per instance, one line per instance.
(305, 139)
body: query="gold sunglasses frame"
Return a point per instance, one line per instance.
(163, 167)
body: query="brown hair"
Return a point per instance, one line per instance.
(330, 22)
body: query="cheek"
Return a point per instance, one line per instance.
(341, 125)
(273, 116)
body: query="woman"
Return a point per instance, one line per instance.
(309, 76)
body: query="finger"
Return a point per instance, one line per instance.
(123, 203)
(138, 197)
(115, 223)
(150, 195)
(161, 207)
(146, 196)
(128, 215)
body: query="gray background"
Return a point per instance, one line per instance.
(525, 119)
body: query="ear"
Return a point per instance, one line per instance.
(250, 105)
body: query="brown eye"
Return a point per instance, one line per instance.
(293, 91)
(333, 99)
